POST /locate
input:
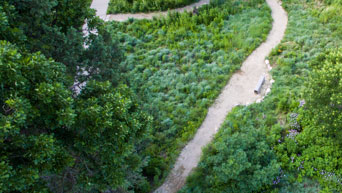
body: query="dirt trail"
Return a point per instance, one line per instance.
(239, 90)
(101, 7)
(126, 16)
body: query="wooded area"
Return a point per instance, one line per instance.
(149, 86)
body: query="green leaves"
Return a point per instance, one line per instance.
(32, 102)
(319, 143)
(46, 134)
(109, 126)
(239, 160)
(323, 96)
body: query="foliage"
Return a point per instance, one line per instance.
(45, 144)
(319, 142)
(132, 6)
(54, 28)
(323, 109)
(108, 125)
(311, 144)
(35, 103)
(302, 101)
(51, 141)
(239, 160)
(306, 186)
(179, 64)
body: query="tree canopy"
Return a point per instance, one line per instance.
(50, 138)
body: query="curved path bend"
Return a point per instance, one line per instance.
(126, 16)
(239, 90)
(101, 7)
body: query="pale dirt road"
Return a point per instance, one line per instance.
(101, 7)
(239, 90)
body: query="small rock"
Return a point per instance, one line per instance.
(268, 90)
(267, 62)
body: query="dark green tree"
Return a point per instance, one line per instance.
(35, 104)
(52, 141)
(54, 27)
(109, 127)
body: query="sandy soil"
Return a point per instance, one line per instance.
(238, 91)
(126, 16)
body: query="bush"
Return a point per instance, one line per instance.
(239, 160)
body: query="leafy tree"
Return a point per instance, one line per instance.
(51, 141)
(36, 103)
(54, 28)
(109, 127)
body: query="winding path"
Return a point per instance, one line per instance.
(238, 91)
(101, 7)
(126, 16)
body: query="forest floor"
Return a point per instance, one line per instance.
(238, 91)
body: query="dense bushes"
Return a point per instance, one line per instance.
(311, 145)
(318, 140)
(239, 160)
(179, 64)
(123, 6)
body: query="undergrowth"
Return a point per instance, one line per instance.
(179, 64)
(308, 162)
